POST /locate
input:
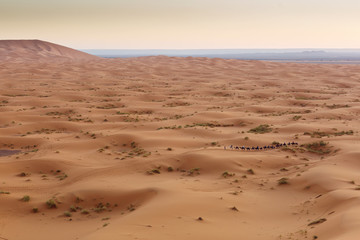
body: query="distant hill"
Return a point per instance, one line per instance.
(39, 51)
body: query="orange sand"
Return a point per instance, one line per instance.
(92, 132)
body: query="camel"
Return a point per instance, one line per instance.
(257, 148)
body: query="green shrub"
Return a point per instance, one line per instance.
(193, 171)
(283, 181)
(227, 174)
(25, 198)
(317, 147)
(264, 128)
(72, 209)
(154, 171)
(85, 211)
(296, 117)
(51, 203)
(67, 214)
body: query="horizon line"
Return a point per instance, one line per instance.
(216, 48)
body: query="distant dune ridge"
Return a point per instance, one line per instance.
(37, 50)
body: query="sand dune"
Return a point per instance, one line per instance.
(134, 148)
(39, 51)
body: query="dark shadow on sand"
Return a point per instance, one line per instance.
(4, 153)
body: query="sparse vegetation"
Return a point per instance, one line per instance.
(194, 171)
(67, 214)
(108, 106)
(317, 147)
(100, 207)
(176, 104)
(296, 117)
(250, 171)
(153, 171)
(321, 220)
(335, 106)
(51, 203)
(24, 174)
(227, 174)
(131, 208)
(72, 208)
(264, 128)
(350, 132)
(62, 177)
(283, 181)
(85, 211)
(25, 198)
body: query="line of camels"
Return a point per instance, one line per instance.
(257, 148)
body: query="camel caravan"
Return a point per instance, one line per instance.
(257, 148)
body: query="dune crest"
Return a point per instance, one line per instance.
(39, 51)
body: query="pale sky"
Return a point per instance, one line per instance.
(184, 24)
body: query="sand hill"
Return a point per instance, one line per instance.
(36, 50)
(134, 149)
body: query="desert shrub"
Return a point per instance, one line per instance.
(85, 211)
(67, 214)
(250, 171)
(25, 198)
(296, 117)
(317, 147)
(51, 203)
(227, 174)
(283, 181)
(264, 128)
(193, 171)
(131, 208)
(72, 209)
(154, 171)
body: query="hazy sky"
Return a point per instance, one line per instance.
(128, 24)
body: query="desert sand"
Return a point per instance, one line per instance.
(95, 148)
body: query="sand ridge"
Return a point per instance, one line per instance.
(39, 51)
(134, 149)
